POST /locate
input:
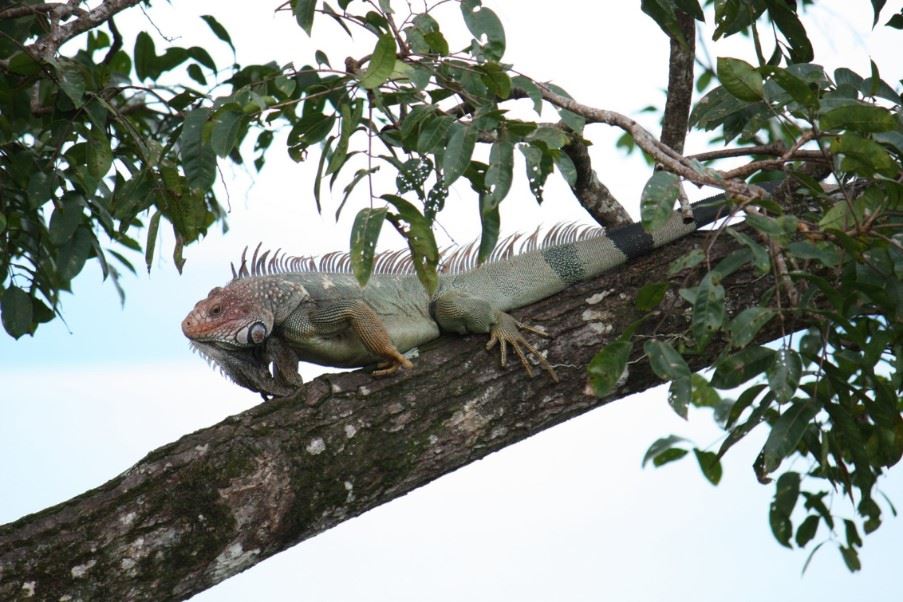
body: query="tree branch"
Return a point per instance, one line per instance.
(680, 85)
(220, 500)
(593, 195)
(47, 45)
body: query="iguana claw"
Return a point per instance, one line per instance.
(507, 330)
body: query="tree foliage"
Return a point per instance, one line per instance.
(97, 149)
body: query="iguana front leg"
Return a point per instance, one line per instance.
(462, 313)
(337, 317)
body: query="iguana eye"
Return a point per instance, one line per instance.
(257, 332)
(216, 310)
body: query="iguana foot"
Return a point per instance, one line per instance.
(506, 331)
(397, 362)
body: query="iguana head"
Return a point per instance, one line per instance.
(234, 316)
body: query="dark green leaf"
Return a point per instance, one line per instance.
(661, 445)
(787, 490)
(747, 324)
(665, 361)
(458, 151)
(490, 221)
(807, 530)
(689, 260)
(860, 117)
(608, 366)
(145, 55)
(708, 311)
(66, 218)
(304, 13)
(788, 22)
(153, 227)
(364, 234)
(657, 200)
(73, 254)
(198, 159)
(226, 124)
(850, 558)
(863, 155)
(786, 433)
(740, 79)
(710, 465)
(499, 174)
(17, 312)
(218, 30)
(648, 297)
(482, 21)
(784, 374)
(680, 393)
(382, 63)
(421, 242)
(738, 368)
(668, 456)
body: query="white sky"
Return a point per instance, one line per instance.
(567, 514)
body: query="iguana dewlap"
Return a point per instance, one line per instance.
(283, 310)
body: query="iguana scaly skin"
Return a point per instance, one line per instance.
(280, 311)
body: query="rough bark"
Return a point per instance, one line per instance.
(680, 84)
(222, 499)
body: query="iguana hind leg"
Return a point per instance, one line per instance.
(461, 313)
(367, 326)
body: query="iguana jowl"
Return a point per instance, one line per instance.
(278, 311)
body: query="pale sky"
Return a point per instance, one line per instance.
(567, 514)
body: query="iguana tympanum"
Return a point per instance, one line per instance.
(279, 310)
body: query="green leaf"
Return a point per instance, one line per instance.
(784, 374)
(218, 30)
(710, 465)
(17, 312)
(153, 227)
(787, 490)
(364, 233)
(760, 258)
(661, 445)
(799, 90)
(807, 530)
(863, 155)
(72, 255)
(304, 13)
(381, 64)
(145, 55)
(608, 366)
(482, 21)
(551, 136)
(680, 395)
(748, 323)
(789, 23)
(708, 311)
(649, 297)
(66, 218)
(225, 125)
(860, 117)
(526, 85)
(850, 558)
(738, 368)
(458, 151)
(825, 253)
(421, 242)
(657, 200)
(198, 159)
(689, 260)
(664, 15)
(665, 361)
(668, 456)
(786, 433)
(499, 174)
(740, 79)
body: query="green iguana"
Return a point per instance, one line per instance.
(280, 310)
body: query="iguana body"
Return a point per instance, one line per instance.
(274, 313)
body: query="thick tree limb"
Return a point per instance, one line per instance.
(593, 195)
(220, 500)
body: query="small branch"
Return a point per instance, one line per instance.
(47, 45)
(590, 191)
(661, 153)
